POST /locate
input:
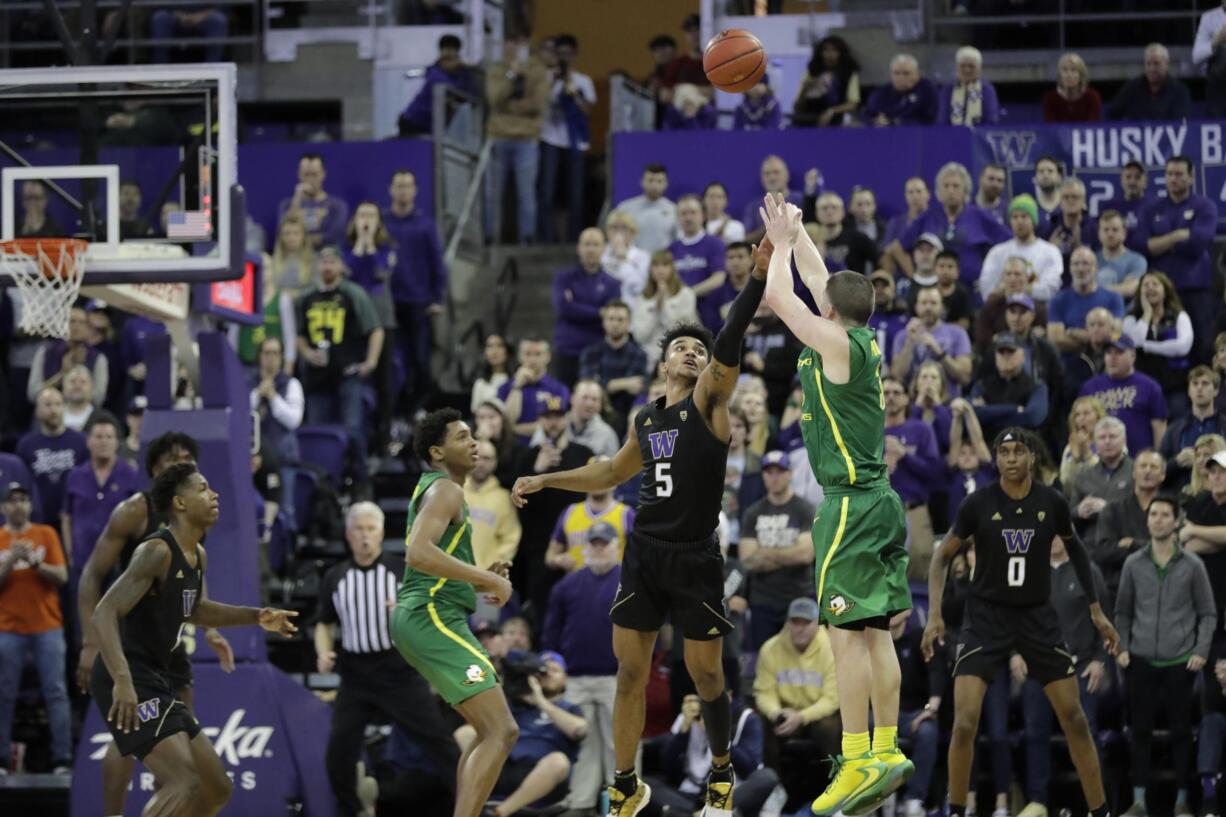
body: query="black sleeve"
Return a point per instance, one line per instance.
(964, 525)
(1081, 565)
(728, 344)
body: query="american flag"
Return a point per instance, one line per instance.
(189, 224)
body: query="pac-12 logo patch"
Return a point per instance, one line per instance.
(839, 605)
(473, 675)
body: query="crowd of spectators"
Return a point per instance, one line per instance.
(1103, 335)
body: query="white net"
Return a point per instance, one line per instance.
(48, 273)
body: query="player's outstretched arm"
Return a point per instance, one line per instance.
(718, 380)
(149, 562)
(934, 631)
(442, 506)
(209, 613)
(825, 336)
(593, 477)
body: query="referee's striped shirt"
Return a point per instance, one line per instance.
(359, 600)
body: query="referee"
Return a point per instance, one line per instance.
(376, 683)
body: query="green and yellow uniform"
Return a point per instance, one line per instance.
(859, 533)
(430, 622)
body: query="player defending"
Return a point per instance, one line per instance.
(132, 522)
(859, 532)
(1011, 525)
(430, 622)
(137, 627)
(672, 566)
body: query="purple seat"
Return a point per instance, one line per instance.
(325, 447)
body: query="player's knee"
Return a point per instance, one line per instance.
(1072, 717)
(505, 732)
(966, 726)
(632, 675)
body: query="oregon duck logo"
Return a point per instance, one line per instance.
(839, 605)
(473, 675)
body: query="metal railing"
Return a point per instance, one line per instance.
(461, 153)
(18, 18)
(942, 17)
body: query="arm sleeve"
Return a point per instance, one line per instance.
(1123, 607)
(991, 105)
(1036, 408)
(964, 524)
(1076, 550)
(1177, 346)
(1206, 611)
(927, 457)
(728, 343)
(1202, 48)
(288, 409)
(1202, 230)
(1105, 542)
(102, 379)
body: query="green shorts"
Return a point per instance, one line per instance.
(859, 540)
(437, 643)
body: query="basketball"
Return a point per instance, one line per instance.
(734, 60)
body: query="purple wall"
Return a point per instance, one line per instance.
(879, 158)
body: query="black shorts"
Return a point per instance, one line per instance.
(515, 772)
(161, 713)
(179, 673)
(991, 633)
(678, 581)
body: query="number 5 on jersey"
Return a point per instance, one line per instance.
(664, 480)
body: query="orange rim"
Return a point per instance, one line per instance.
(50, 252)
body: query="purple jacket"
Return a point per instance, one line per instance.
(971, 235)
(577, 298)
(420, 112)
(764, 114)
(1135, 401)
(916, 474)
(577, 622)
(705, 119)
(1187, 263)
(419, 276)
(917, 106)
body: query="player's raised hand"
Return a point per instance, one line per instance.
(278, 621)
(934, 633)
(524, 486)
(762, 256)
(782, 224)
(123, 706)
(1111, 638)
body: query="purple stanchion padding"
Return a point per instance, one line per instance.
(224, 436)
(268, 730)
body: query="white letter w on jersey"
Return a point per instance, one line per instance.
(662, 443)
(1018, 540)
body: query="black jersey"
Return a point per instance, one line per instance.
(154, 522)
(1012, 540)
(150, 631)
(683, 472)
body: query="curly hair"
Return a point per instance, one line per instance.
(688, 330)
(168, 483)
(164, 444)
(432, 431)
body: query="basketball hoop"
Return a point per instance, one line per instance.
(48, 272)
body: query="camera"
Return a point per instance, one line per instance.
(517, 667)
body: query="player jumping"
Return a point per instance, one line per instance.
(1011, 524)
(430, 622)
(138, 625)
(859, 532)
(672, 567)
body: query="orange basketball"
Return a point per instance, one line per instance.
(734, 60)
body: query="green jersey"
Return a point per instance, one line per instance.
(843, 425)
(419, 589)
